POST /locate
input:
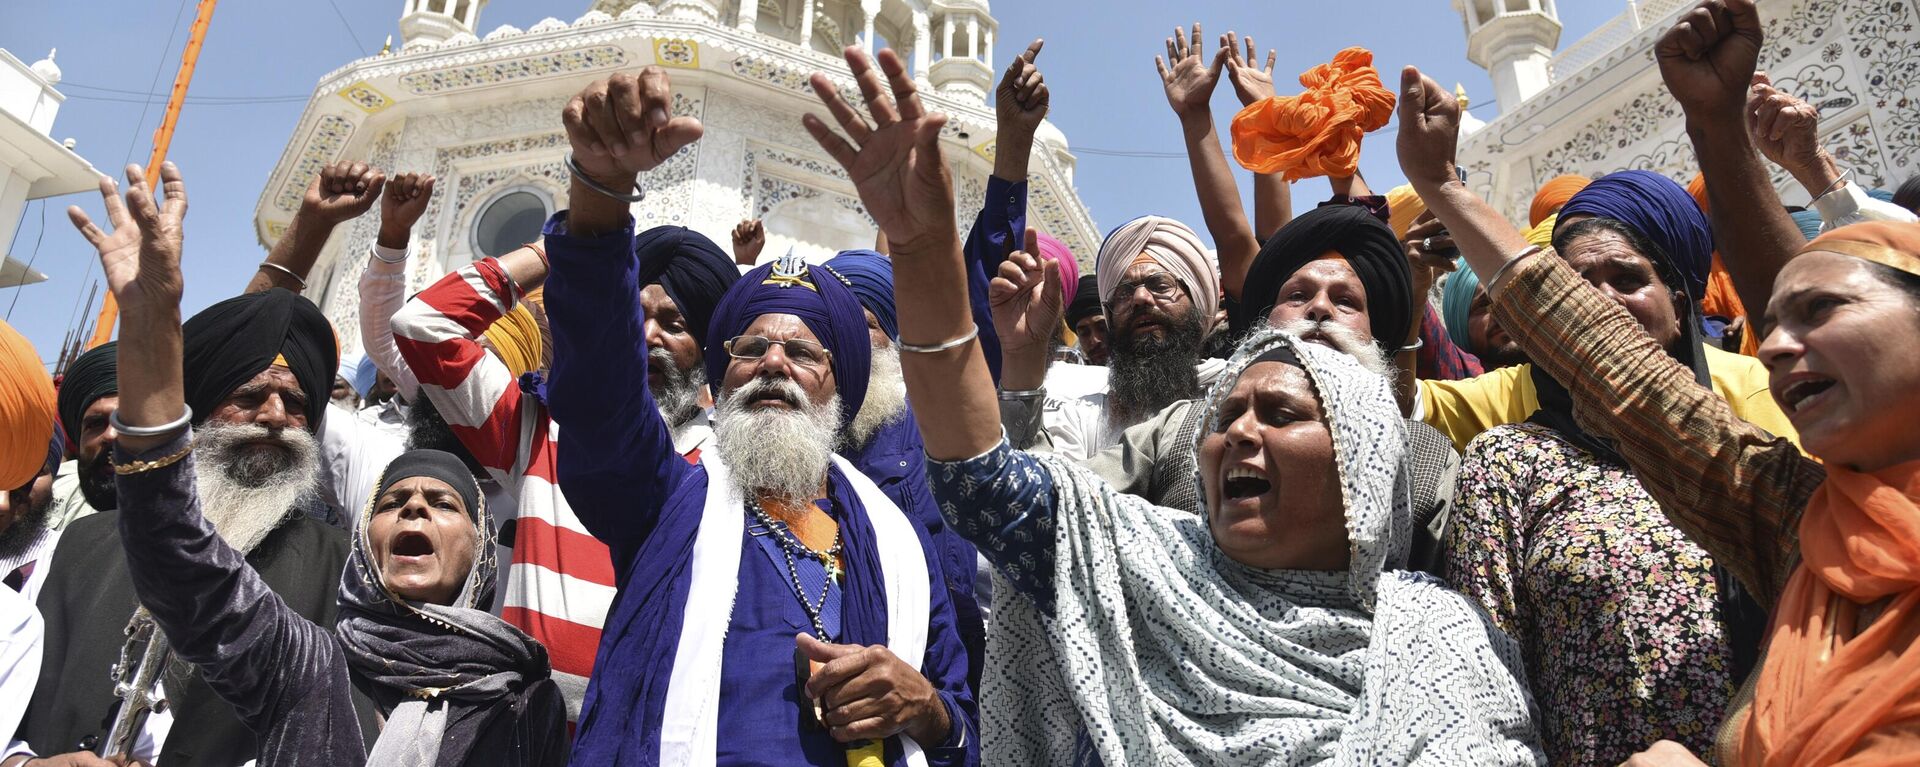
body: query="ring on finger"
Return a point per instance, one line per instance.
(1426, 243)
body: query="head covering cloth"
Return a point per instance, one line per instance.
(1152, 623)
(1317, 133)
(230, 342)
(1057, 251)
(692, 270)
(1552, 195)
(90, 376)
(1892, 244)
(1660, 211)
(470, 663)
(1086, 300)
(1368, 246)
(871, 276)
(1456, 301)
(516, 338)
(27, 410)
(1172, 245)
(822, 299)
(1403, 206)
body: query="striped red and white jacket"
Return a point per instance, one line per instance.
(560, 583)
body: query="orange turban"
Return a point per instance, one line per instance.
(26, 410)
(1698, 188)
(1316, 133)
(1553, 195)
(1403, 206)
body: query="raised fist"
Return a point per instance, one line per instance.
(623, 126)
(1708, 57)
(749, 238)
(342, 192)
(405, 201)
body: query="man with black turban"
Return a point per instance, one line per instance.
(1089, 320)
(89, 392)
(720, 565)
(503, 422)
(258, 369)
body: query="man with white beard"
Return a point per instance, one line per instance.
(775, 606)
(258, 371)
(1335, 276)
(559, 584)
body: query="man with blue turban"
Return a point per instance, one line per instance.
(773, 605)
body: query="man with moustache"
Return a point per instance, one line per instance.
(258, 372)
(89, 392)
(775, 606)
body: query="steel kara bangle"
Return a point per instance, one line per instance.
(972, 333)
(587, 181)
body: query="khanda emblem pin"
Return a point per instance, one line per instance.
(790, 270)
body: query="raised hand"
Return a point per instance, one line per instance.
(1708, 57)
(404, 202)
(1429, 131)
(1784, 128)
(1430, 251)
(141, 256)
(749, 238)
(1188, 78)
(894, 163)
(1021, 99)
(342, 192)
(1027, 297)
(623, 126)
(1250, 81)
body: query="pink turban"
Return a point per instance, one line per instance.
(1172, 245)
(1069, 269)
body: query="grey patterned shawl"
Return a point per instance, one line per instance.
(1161, 650)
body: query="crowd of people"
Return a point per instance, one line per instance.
(1394, 480)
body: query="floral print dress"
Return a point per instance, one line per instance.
(1614, 608)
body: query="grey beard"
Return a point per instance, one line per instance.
(246, 494)
(886, 398)
(26, 528)
(679, 392)
(1147, 374)
(1343, 340)
(782, 453)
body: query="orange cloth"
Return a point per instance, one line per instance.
(1316, 133)
(1831, 690)
(1887, 243)
(1722, 301)
(1403, 206)
(26, 410)
(1553, 195)
(1698, 188)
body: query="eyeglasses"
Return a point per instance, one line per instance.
(1162, 286)
(801, 351)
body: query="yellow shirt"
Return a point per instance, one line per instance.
(1463, 409)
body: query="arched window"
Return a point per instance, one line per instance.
(512, 218)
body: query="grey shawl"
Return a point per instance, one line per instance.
(1163, 651)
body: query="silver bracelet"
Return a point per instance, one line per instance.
(286, 271)
(1517, 258)
(383, 259)
(1844, 176)
(587, 181)
(1020, 394)
(1415, 346)
(162, 430)
(972, 333)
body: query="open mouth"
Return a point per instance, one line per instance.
(1243, 483)
(412, 545)
(772, 397)
(1804, 393)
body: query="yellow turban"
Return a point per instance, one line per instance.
(1542, 233)
(1403, 206)
(26, 410)
(516, 338)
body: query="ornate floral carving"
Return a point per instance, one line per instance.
(368, 98)
(330, 133)
(525, 68)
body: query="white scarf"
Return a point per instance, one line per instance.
(690, 724)
(1164, 651)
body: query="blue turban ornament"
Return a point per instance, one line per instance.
(823, 300)
(872, 277)
(693, 271)
(1661, 211)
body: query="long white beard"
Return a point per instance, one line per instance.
(783, 453)
(1343, 339)
(678, 395)
(886, 398)
(246, 494)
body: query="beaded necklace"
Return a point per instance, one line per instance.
(792, 547)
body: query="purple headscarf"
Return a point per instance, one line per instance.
(821, 299)
(1661, 211)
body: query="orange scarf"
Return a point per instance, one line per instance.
(1831, 693)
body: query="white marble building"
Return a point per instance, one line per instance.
(1598, 105)
(482, 113)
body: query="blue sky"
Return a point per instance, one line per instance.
(261, 60)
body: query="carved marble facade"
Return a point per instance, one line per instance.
(482, 115)
(1858, 61)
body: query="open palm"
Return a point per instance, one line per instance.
(1188, 77)
(895, 163)
(1250, 81)
(141, 256)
